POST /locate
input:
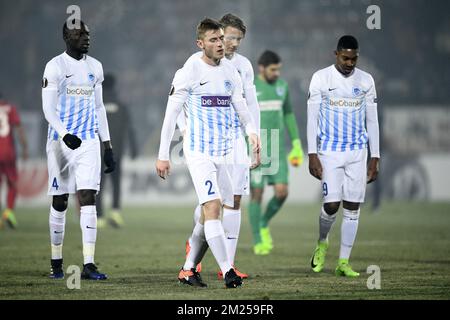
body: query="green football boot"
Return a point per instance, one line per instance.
(343, 269)
(266, 238)
(10, 218)
(260, 249)
(318, 258)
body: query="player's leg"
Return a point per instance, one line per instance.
(57, 223)
(254, 210)
(332, 181)
(273, 207)
(11, 179)
(101, 219)
(87, 176)
(60, 184)
(353, 194)
(116, 217)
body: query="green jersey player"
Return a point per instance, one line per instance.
(276, 115)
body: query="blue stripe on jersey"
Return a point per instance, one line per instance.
(336, 131)
(227, 126)
(209, 112)
(353, 142)
(191, 120)
(71, 113)
(80, 115)
(219, 128)
(236, 125)
(93, 121)
(327, 128)
(344, 138)
(86, 121)
(202, 130)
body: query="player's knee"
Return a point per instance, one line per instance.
(60, 202)
(212, 209)
(256, 195)
(86, 197)
(351, 205)
(282, 194)
(331, 207)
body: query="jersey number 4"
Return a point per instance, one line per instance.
(55, 184)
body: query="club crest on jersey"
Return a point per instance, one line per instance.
(356, 91)
(228, 86)
(91, 77)
(280, 91)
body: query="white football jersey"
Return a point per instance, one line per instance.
(245, 70)
(75, 82)
(208, 93)
(343, 102)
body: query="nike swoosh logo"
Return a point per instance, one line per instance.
(90, 227)
(331, 89)
(68, 76)
(230, 238)
(202, 83)
(58, 232)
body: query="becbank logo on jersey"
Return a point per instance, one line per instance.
(348, 103)
(216, 101)
(79, 91)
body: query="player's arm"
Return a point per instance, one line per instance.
(103, 129)
(373, 132)
(49, 103)
(314, 100)
(181, 123)
(245, 117)
(296, 155)
(177, 97)
(248, 79)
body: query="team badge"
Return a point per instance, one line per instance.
(91, 77)
(280, 91)
(228, 86)
(44, 83)
(356, 91)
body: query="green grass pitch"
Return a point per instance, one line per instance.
(410, 242)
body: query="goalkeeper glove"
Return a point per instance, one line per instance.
(296, 155)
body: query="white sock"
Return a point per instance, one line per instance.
(215, 236)
(57, 222)
(325, 223)
(348, 232)
(88, 224)
(197, 215)
(231, 224)
(198, 247)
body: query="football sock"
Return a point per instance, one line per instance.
(231, 222)
(349, 229)
(197, 215)
(57, 222)
(254, 214)
(325, 223)
(88, 224)
(215, 236)
(198, 247)
(273, 207)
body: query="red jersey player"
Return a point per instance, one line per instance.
(9, 120)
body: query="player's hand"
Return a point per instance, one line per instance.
(108, 159)
(256, 150)
(163, 168)
(372, 169)
(315, 167)
(296, 155)
(72, 141)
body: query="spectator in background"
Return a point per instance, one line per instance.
(120, 127)
(10, 121)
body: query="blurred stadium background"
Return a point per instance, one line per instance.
(144, 42)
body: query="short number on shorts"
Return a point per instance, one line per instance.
(208, 182)
(55, 184)
(324, 189)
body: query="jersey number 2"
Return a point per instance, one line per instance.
(209, 183)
